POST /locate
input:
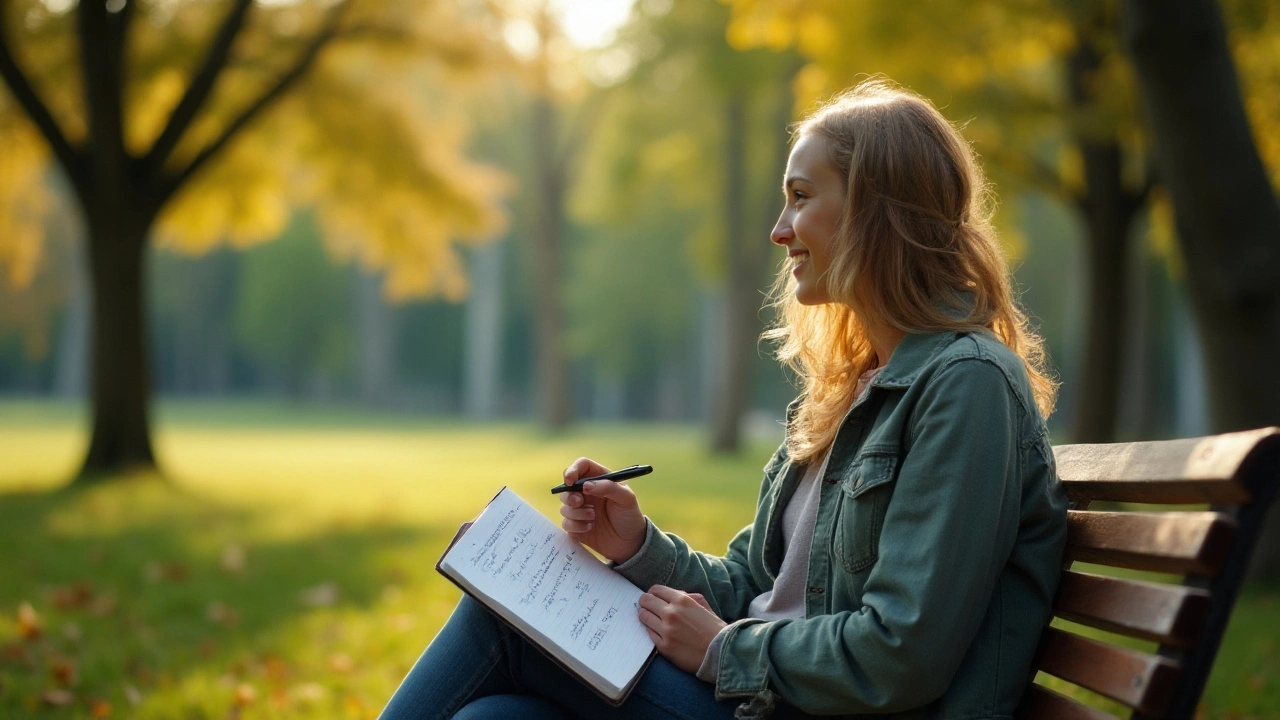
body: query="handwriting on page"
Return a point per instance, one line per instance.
(530, 566)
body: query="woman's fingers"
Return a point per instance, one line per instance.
(578, 513)
(583, 467)
(609, 490)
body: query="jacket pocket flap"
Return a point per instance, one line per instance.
(870, 471)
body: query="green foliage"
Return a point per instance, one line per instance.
(294, 310)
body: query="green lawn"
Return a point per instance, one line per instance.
(285, 568)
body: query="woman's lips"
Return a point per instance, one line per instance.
(799, 259)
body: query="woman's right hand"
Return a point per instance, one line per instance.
(605, 516)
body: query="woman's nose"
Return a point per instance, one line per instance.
(782, 233)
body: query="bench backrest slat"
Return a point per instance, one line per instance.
(1041, 702)
(1236, 474)
(1170, 614)
(1135, 679)
(1173, 542)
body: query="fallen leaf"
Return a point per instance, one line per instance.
(63, 671)
(72, 597)
(233, 558)
(132, 694)
(100, 709)
(341, 663)
(13, 653)
(104, 604)
(245, 694)
(58, 697)
(156, 572)
(309, 693)
(322, 595)
(219, 613)
(275, 669)
(29, 626)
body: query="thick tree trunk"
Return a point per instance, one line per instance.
(121, 427)
(1227, 217)
(1108, 209)
(555, 400)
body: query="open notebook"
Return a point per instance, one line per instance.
(553, 591)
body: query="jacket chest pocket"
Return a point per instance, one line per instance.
(864, 496)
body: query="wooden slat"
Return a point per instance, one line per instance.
(1168, 614)
(1137, 680)
(1041, 703)
(1196, 470)
(1171, 542)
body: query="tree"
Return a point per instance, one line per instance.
(710, 120)
(1226, 213)
(208, 121)
(1044, 94)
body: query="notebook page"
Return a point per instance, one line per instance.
(521, 560)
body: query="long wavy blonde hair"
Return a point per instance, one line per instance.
(915, 251)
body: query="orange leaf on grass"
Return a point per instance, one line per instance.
(100, 709)
(29, 625)
(63, 671)
(72, 597)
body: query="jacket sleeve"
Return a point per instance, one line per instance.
(947, 532)
(726, 582)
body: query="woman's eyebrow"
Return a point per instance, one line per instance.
(795, 179)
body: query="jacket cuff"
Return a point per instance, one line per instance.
(744, 668)
(654, 562)
(710, 666)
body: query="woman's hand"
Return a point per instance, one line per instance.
(605, 516)
(681, 624)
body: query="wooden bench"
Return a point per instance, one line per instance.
(1208, 551)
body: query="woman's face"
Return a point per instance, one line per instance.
(815, 196)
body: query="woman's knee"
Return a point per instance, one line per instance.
(525, 707)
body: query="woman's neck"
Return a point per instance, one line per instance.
(883, 341)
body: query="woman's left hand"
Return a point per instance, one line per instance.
(681, 625)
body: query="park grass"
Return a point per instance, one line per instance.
(283, 567)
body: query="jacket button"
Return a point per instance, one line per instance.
(832, 479)
(815, 590)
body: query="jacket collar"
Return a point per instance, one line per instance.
(914, 353)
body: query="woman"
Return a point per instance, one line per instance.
(908, 534)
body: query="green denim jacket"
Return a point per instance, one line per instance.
(939, 539)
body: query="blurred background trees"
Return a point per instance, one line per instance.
(206, 123)
(622, 160)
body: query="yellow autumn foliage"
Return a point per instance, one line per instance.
(371, 138)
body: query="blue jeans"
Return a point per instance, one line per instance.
(477, 667)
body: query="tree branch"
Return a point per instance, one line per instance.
(200, 88)
(67, 155)
(254, 109)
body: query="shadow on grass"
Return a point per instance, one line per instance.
(137, 585)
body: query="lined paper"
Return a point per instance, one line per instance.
(530, 567)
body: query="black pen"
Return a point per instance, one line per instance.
(625, 473)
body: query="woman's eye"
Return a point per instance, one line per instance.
(798, 196)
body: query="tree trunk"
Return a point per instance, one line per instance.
(1225, 209)
(555, 400)
(1108, 209)
(732, 385)
(748, 249)
(121, 429)
(482, 371)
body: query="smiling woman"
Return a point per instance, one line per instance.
(908, 534)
